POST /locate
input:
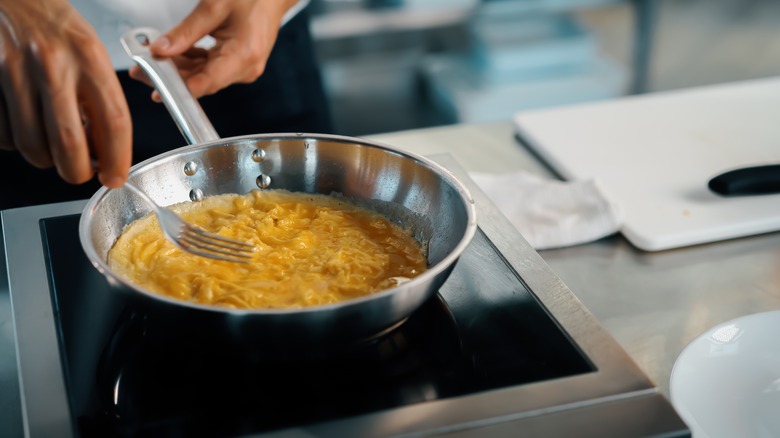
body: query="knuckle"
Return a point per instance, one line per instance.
(118, 120)
(254, 53)
(70, 140)
(52, 60)
(209, 90)
(200, 84)
(43, 50)
(254, 61)
(254, 71)
(90, 48)
(209, 7)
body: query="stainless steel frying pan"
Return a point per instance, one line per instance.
(410, 189)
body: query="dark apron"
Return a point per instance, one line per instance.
(288, 97)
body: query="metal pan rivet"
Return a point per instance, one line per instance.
(258, 155)
(196, 195)
(190, 168)
(263, 181)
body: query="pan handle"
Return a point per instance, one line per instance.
(185, 109)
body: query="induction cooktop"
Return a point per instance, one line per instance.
(503, 347)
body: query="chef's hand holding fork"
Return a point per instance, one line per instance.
(61, 102)
(60, 93)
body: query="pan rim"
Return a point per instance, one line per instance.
(433, 271)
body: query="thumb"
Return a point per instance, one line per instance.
(206, 17)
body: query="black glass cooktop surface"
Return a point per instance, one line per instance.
(124, 377)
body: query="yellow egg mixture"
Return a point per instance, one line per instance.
(310, 250)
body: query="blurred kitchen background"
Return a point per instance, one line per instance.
(393, 65)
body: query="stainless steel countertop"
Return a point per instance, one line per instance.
(653, 304)
(615, 393)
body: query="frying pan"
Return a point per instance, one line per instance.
(409, 189)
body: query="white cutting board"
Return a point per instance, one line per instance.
(655, 153)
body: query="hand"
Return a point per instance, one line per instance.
(60, 100)
(245, 32)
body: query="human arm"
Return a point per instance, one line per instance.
(61, 103)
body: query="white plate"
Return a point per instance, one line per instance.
(726, 382)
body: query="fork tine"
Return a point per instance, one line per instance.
(205, 240)
(204, 248)
(219, 255)
(198, 241)
(218, 240)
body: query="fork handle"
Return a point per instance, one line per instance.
(183, 107)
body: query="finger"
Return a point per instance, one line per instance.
(62, 120)
(195, 53)
(233, 63)
(187, 67)
(202, 84)
(184, 61)
(109, 117)
(138, 74)
(26, 120)
(206, 17)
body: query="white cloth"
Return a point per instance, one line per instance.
(112, 18)
(551, 213)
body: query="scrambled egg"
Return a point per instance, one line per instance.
(310, 250)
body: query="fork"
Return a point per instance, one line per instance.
(194, 239)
